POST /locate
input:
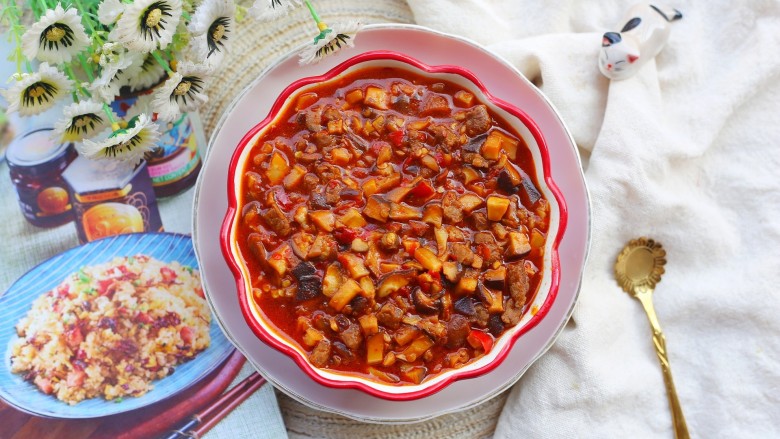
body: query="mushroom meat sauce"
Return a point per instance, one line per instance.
(392, 226)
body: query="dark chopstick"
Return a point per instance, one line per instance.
(204, 420)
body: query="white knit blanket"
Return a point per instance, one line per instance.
(687, 152)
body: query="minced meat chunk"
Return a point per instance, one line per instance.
(477, 121)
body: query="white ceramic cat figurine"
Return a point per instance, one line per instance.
(644, 34)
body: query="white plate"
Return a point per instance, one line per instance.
(253, 104)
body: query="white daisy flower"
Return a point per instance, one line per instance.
(330, 42)
(106, 86)
(109, 11)
(182, 92)
(268, 10)
(81, 120)
(124, 144)
(145, 73)
(56, 38)
(211, 26)
(147, 25)
(33, 93)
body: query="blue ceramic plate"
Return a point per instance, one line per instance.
(17, 301)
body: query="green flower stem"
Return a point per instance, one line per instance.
(87, 68)
(162, 62)
(72, 76)
(313, 12)
(92, 31)
(111, 118)
(44, 6)
(11, 13)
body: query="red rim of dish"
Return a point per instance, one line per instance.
(357, 382)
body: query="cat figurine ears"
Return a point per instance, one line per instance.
(643, 35)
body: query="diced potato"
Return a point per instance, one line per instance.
(389, 182)
(499, 230)
(377, 208)
(495, 300)
(353, 218)
(518, 244)
(332, 280)
(433, 214)
(477, 262)
(537, 239)
(340, 156)
(370, 187)
(464, 98)
(420, 124)
(305, 100)
(430, 162)
(497, 207)
(324, 219)
(375, 349)
(368, 128)
(410, 245)
(301, 216)
(403, 212)
(278, 168)
(405, 334)
(450, 270)
(470, 174)
(387, 267)
(345, 294)
(469, 202)
(466, 285)
(354, 265)
(295, 177)
(417, 348)
(491, 149)
(389, 359)
(385, 154)
(358, 245)
(354, 96)
(311, 337)
(367, 285)
(368, 324)
(379, 123)
(441, 240)
(427, 259)
(376, 97)
(509, 145)
(336, 126)
(514, 175)
(393, 282)
(414, 374)
(384, 376)
(278, 259)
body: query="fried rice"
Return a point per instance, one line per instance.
(111, 329)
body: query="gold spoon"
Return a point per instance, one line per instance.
(638, 269)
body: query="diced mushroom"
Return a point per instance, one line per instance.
(458, 329)
(324, 248)
(277, 221)
(465, 306)
(495, 278)
(333, 280)
(309, 287)
(403, 212)
(303, 269)
(424, 304)
(480, 220)
(433, 214)
(393, 282)
(377, 208)
(450, 270)
(390, 242)
(495, 325)
(518, 244)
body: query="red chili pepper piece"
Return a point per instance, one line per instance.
(397, 137)
(481, 339)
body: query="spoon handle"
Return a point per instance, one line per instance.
(659, 341)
